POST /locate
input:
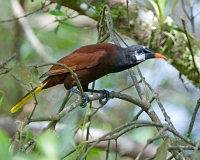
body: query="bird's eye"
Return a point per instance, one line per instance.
(139, 51)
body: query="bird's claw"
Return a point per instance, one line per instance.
(105, 98)
(85, 100)
(85, 97)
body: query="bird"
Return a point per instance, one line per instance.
(90, 63)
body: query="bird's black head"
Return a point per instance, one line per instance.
(141, 53)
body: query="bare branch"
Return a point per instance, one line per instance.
(190, 48)
(193, 118)
(2, 64)
(26, 15)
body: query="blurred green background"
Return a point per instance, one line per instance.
(59, 40)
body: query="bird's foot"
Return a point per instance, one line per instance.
(105, 98)
(85, 98)
(105, 94)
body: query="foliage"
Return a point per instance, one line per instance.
(175, 41)
(120, 116)
(4, 145)
(47, 148)
(161, 153)
(2, 98)
(26, 75)
(160, 8)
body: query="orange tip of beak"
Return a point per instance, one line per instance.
(158, 55)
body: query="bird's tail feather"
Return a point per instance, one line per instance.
(26, 98)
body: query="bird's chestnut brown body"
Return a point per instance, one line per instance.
(91, 62)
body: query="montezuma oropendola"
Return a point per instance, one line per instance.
(91, 62)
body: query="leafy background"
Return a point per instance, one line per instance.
(59, 39)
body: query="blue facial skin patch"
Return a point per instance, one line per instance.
(140, 57)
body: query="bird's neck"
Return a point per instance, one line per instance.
(122, 60)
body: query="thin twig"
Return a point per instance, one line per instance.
(191, 16)
(190, 48)
(28, 14)
(132, 125)
(183, 82)
(150, 111)
(139, 90)
(36, 102)
(143, 83)
(127, 12)
(110, 25)
(107, 150)
(151, 140)
(137, 115)
(70, 71)
(2, 64)
(116, 149)
(193, 118)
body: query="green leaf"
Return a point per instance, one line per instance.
(172, 7)
(4, 145)
(155, 6)
(64, 26)
(84, 126)
(160, 9)
(162, 4)
(26, 75)
(2, 98)
(161, 153)
(28, 135)
(56, 29)
(56, 12)
(48, 145)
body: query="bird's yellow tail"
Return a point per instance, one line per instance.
(26, 98)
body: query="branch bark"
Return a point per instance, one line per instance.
(126, 146)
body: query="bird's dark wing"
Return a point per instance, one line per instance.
(77, 60)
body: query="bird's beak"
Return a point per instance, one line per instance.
(152, 54)
(158, 55)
